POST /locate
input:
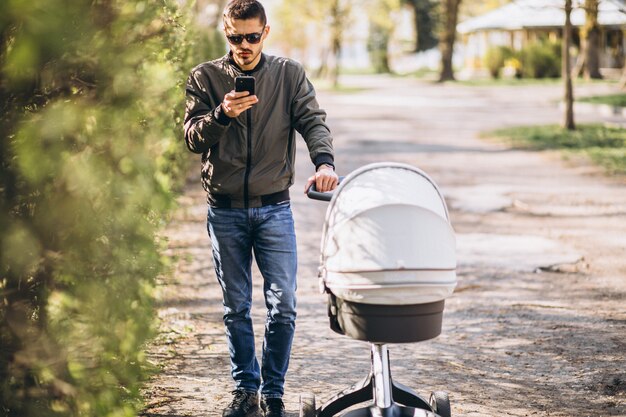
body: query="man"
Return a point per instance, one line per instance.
(248, 151)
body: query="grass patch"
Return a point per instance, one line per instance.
(491, 82)
(605, 145)
(616, 100)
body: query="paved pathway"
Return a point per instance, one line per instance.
(537, 326)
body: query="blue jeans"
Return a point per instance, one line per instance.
(269, 233)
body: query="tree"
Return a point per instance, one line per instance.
(425, 20)
(449, 22)
(339, 17)
(568, 120)
(330, 19)
(334, 16)
(591, 40)
(291, 33)
(588, 62)
(382, 25)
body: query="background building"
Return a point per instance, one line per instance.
(523, 22)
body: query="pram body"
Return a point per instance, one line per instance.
(387, 263)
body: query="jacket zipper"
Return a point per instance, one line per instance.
(246, 197)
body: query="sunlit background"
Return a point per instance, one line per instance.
(92, 161)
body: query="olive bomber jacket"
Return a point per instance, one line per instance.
(253, 155)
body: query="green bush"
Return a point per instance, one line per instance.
(91, 96)
(541, 60)
(495, 59)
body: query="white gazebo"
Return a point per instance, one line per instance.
(522, 22)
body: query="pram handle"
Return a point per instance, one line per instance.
(313, 194)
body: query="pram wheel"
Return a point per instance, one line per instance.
(307, 405)
(440, 403)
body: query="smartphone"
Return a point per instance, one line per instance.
(245, 83)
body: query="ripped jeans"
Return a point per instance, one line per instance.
(269, 233)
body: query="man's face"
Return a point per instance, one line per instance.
(246, 54)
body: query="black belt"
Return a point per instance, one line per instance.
(226, 201)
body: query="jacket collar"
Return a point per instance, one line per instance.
(260, 65)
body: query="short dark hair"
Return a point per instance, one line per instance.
(244, 10)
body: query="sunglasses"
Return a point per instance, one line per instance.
(251, 38)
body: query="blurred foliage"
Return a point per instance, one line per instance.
(495, 59)
(378, 48)
(381, 23)
(541, 60)
(473, 8)
(603, 144)
(290, 32)
(322, 21)
(301, 23)
(91, 96)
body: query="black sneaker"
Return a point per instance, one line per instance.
(273, 407)
(244, 404)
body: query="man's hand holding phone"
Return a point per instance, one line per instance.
(237, 102)
(242, 98)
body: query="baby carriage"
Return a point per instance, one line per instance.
(387, 264)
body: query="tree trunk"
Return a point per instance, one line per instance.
(337, 55)
(448, 36)
(591, 41)
(339, 14)
(425, 21)
(378, 47)
(568, 120)
(322, 71)
(579, 66)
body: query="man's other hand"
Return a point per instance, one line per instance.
(325, 179)
(236, 103)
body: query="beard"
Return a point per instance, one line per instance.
(246, 59)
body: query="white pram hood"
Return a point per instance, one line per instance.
(387, 238)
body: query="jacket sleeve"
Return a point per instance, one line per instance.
(204, 125)
(310, 121)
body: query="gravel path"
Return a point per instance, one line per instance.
(537, 326)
